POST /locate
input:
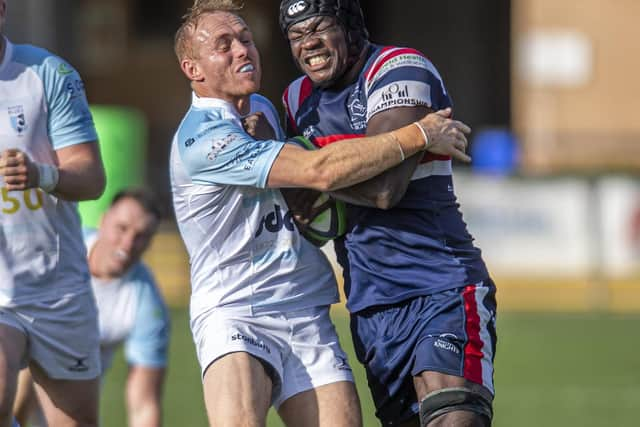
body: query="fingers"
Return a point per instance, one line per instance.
(446, 113)
(461, 126)
(14, 169)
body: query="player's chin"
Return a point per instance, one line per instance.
(322, 78)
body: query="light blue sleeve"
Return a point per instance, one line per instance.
(221, 152)
(148, 341)
(69, 120)
(260, 103)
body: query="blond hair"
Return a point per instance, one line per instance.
(183, 45)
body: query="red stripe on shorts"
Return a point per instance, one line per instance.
(473, 349)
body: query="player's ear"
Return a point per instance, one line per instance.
(191, 69)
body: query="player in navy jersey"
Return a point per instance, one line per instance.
(260, 292)
(49, 160)
(422, 303)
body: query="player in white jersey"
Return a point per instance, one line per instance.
(131, 309)
(260, 292)
(49, 158)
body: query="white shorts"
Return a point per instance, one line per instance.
(301, 347)
(62, 335)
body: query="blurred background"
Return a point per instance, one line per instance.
(553, 195)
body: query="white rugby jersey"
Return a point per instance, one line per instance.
(43, 108)
(245, 251)
(131, 311)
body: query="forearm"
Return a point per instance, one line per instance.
(345, 163)
(383, 191)
(145, 414)
(144, 396)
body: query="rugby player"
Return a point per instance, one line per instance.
(49, 159)
(130, 307)
(422, 303)
(261, 293)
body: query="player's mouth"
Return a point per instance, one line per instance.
(121, 255)
(247, 68)
(317, 62)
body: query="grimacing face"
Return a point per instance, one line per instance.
(227, 61)
(319, 48)
(124, 234)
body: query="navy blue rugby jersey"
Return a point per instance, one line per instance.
(421, 246)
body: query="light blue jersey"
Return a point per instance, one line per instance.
(245, 251)
(43, 108)
(131, 311)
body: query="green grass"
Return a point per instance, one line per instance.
(551, 370)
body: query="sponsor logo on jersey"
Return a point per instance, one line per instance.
(189, 142)
(74, 87)
(341, 364)
(251, 341)
(445, 345)
(297, 8)
(17, 119)
(400, 94)
(275, 221)
(357, 111)
(217, 145)
(309, 132)
(63, 69)
(79, 366)
(406, 60)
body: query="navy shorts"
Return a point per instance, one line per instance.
(452, 332)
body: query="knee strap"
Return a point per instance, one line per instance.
(447, 400)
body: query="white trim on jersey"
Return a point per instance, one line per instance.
(293, 102)
(434, 167)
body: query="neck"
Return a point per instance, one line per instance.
(353, 71)
(242, 104)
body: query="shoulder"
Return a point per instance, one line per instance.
(297, 91)
(391, 58)
(43, 61)
(260, 101)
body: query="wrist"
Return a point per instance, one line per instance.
(48, 176)
(425, 134)
(410, 139)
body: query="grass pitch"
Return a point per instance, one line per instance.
(551, 370)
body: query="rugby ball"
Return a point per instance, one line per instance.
(329, 223)
(330, 220)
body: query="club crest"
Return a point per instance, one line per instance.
(17, 119)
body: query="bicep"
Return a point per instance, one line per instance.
(230, 157)
(87, 154)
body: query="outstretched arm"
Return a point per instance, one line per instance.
(349, 162)
(385, 190)
(144, 396)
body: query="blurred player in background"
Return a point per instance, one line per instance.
(49, 159)
(131, 309)
(261, 293)
(422, 303)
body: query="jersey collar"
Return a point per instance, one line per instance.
(8, 53)
(202, 102)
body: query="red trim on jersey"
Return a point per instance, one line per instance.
(305, 90)
(429, 157)
(379, 65)
(321, 141)
(473, 349)
(382, 52)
